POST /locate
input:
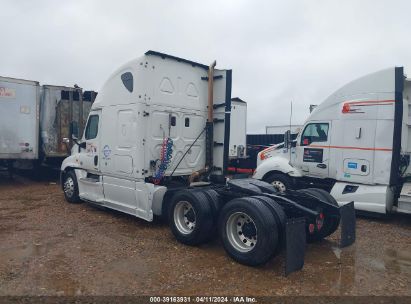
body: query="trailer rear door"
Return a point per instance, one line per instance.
(19, 118)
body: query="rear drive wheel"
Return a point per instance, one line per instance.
(279, 216)
(329, 224)
(248, 231)
(191, 218)
(70, 187)
(280, 181)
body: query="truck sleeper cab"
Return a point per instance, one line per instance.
(156, 143)
(355, 144)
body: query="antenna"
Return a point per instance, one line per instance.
(291, 114)
(289, 134)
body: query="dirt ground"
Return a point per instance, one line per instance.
(50, 247)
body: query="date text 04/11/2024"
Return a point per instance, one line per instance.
(201, 299)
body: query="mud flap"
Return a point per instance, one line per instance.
(295, 242)
(348, 222)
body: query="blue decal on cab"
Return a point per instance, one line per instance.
(106, 151)
(352, 165)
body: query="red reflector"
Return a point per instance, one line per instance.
(319, 223)
(311, 228)
(346, 108)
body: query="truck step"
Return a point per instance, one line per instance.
(89, 180)
(406, 192)
(404, 201)
(404, 206)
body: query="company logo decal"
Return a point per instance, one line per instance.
(356, 107)
(7, 93)
(106, 152)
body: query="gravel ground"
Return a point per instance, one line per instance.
(50, 247)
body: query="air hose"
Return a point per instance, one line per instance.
(166, 154)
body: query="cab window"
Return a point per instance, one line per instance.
(127, 79)
(314, 132)
(92, 127)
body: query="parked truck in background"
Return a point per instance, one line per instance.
(238, 129)
(356, 144)
(157, 143)
(35, 120)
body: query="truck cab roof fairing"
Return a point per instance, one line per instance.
(162, 55)
(143, 69)
(377, 82)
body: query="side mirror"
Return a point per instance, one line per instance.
(306, 141)
(74, 130)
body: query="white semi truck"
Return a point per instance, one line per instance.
(356, 144)
(156, 143)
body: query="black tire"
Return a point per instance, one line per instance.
(279, 179)
(279, 216)
(330, 224)
(276, 210)
(265, 225)
(215, 204)
(215, 201)
(70, 187)
(195, 226)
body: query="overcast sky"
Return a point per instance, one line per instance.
(280, 51)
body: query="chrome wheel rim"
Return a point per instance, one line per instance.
(241, 232)
(184, 217)
(279, 186)
(69, 186)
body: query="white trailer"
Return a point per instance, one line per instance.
(19, 119)
(356, 144)
(238, 129)
(61, 108)
(35, 119)
(156, 143)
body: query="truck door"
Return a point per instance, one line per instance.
(313, 149)
(90, 158)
